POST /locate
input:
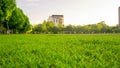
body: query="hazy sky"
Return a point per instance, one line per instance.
(76, 12)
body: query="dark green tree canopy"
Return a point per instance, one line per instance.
(6, 9)
(12, 18)
(19, 20)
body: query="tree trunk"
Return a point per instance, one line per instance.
(8, 31)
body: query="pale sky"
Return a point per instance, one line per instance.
(76, 12)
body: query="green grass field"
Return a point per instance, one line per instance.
(60, 51)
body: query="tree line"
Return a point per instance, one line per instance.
(49, 27)
(12, 18)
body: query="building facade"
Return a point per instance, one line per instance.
(57, 19)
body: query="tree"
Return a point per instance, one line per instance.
(50, 26)
(55, 30)
(78, 29)
(6, 9)
(44, 26)
(13, 18)
(69, 29)
(19, 22)
(37, 28)
(102, 27)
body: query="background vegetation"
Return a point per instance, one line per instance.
(49, 27)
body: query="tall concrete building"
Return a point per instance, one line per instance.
(119, 17)
(57, 19)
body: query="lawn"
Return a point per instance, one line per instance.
(60, 51)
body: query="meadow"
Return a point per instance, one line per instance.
(60, 51)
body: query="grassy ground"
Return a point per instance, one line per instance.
(60, 51)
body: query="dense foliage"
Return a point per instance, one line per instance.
(60, 51)
(100, 27)
(12, 19)
(46, 27)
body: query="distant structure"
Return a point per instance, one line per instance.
(119, 17)
(57, 19)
